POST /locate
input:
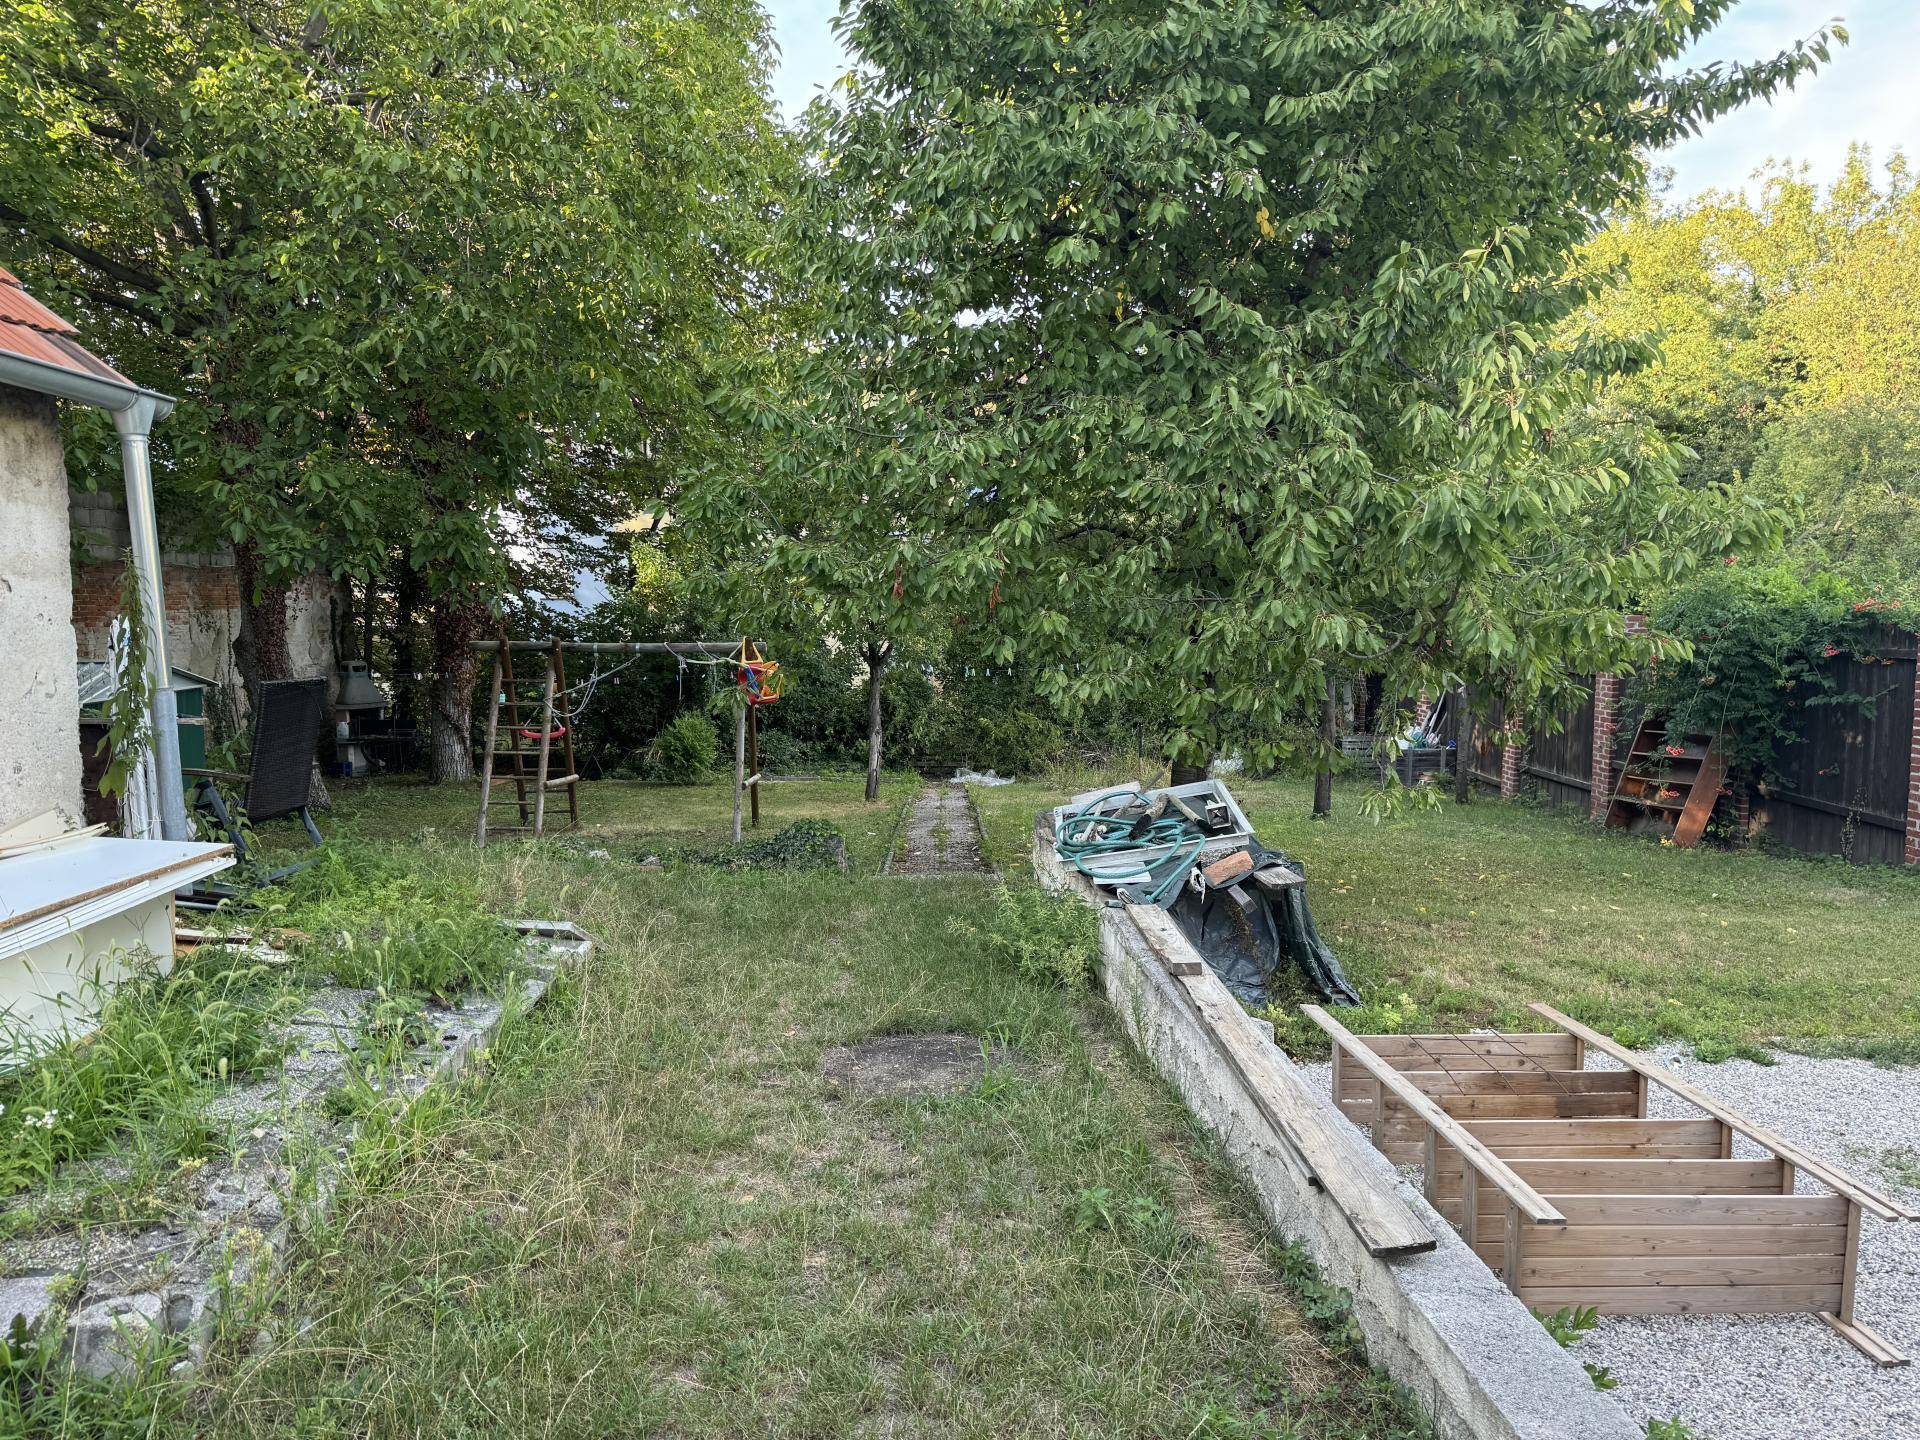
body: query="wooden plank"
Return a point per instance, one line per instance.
(1570, 1272)
(1538, 1107)
(1618, 1241)
(1384, 1222)
(1615, 1130)
(1533, 1205)
(1869, 1199)
(1687, 1299)
(1703, 1209)
(1542, 1045)
(1164, 938)
(1650, 1177)
(1523, 1082)
(1865, 1339)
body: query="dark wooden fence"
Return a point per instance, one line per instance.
(1845, 785)
(1846, 782)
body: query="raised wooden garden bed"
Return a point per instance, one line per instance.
(1564, 1186)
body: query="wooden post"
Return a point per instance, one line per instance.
(1469, 1205)
(753, 762)
(739, 766)
(486, 765)
(1514, 1230)
(546, 748)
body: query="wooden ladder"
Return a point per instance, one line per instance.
(1668, 786)
(526, 758)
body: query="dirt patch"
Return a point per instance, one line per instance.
(910, 1064)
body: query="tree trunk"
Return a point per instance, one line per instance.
(260, 646)
(457, 623)
(877, 658)
(1462, 748)
(1329, 737)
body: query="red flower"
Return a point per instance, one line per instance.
(1831, 651)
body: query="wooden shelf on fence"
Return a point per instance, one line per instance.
(1668, 786)
(1574, 1196)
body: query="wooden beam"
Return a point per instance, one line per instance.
(1535, 1207)
(1316, 1149)
(1869, 1199)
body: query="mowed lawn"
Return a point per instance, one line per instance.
(1461, 916)
(653, 1214)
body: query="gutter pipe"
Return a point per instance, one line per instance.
(134, 412)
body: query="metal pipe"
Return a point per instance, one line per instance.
(134, 423)
(617, 647)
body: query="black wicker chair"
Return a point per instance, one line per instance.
(286, 727)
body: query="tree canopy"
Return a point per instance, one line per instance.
(1790, 354)
(1215, 343)
(408, 267)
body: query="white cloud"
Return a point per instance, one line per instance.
(1868, 93)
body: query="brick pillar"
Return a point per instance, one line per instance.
(1422, 708)
(1606, 722)
(1912, 852)
(1512, 757)
(1608, 691)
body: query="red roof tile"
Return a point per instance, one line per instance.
(30, 329)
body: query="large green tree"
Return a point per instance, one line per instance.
(1216, 341)
(1790, 353)
(432, 279)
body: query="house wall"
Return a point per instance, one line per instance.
(203, 601)
(39, 696)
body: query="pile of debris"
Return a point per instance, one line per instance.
(1191, 850)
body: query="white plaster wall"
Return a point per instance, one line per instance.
(39, 696)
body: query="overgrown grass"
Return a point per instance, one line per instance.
(650, 1212)
(1462, 916)
(140, 1075)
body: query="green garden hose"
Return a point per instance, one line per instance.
(1080, 843)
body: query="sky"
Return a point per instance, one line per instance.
(1871, 91)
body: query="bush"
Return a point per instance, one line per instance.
(685, 753)
(1042, 935)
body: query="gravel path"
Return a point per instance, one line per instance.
(1787, 1377)
(942, 835)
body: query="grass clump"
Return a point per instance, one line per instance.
(376, 919)
(160, 1042)
(1041, 935)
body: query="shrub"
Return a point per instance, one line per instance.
(684, 753)
(1042, 935)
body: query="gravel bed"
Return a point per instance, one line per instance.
(1786, 1377)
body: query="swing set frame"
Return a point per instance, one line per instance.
(756, 676)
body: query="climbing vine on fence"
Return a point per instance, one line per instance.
(1764, 649)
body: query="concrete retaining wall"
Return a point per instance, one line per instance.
(1440, 1323)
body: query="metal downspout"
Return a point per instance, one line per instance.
(135, 426)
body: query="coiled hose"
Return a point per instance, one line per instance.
(1079, 843)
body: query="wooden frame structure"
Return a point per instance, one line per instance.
(1560, 1181)
(531, 787)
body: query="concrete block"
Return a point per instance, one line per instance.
(28, 1298)
(108, 1338)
